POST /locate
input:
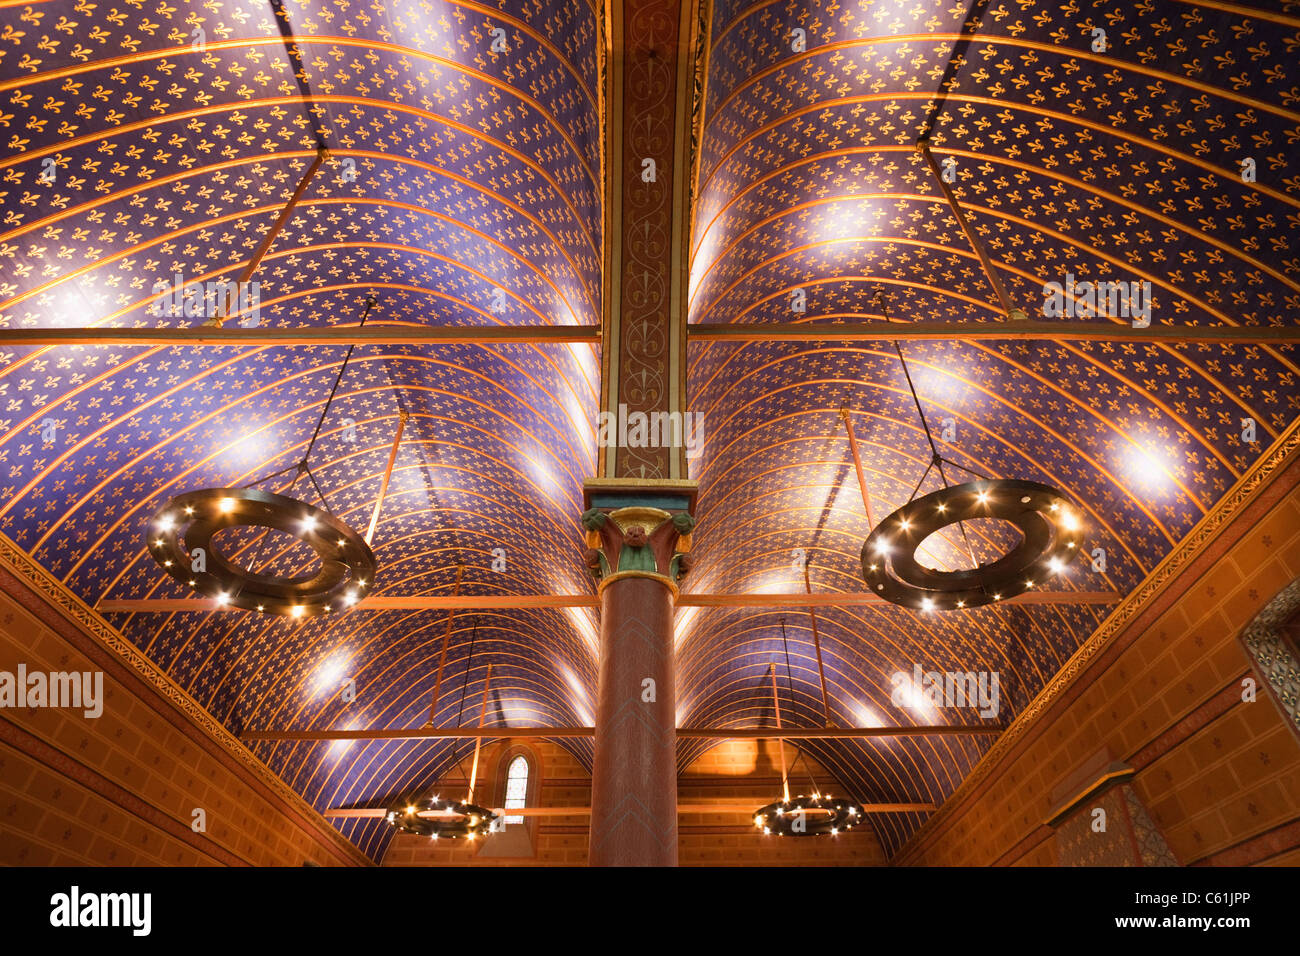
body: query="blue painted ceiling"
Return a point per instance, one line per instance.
(1122, 164)
(477, 171)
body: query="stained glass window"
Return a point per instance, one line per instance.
(516, 787)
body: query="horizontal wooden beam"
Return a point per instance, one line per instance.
(420, 733)
(859, 599)
(748, 807)
(740, 806)
(1006, 331)
(411, 603)
(693, 733)
(506, 601)
(839, 733)
(395, 334)
(371, 334)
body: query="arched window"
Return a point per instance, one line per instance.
(516, 787)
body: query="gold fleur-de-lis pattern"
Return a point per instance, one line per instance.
(147, 139)
(1103, 142)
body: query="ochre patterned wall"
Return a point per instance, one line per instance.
(742, 771)
(120, 789)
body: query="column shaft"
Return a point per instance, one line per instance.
(634, 775)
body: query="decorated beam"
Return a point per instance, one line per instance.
(692, 733)
(374, 334)
(393, 334)
(992, 331)
(507, 601)
(746, 808)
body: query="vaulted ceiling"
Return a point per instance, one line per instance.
(1117, 165)
(178, 132)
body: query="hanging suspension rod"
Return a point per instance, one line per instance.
(265, 245)
(388, 473)
(857, 464)
(446, 639)
(1009, 310)
(817, 645)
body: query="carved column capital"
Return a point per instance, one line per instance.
(638, 539)
(641, 529)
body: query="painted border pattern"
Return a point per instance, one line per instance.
(1270, 655)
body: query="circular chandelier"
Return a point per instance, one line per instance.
(816, 815)
(440, 819)
(1050, 530)
(180, 540)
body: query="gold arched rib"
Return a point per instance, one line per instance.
(323, 201)
(993, 101)
(1178, 355)
(260, 468)
(1082, 53)
(395, 158)
(986, 157)
(300, 41)
(1101, 521)
(247, 397)
(1015, 270)
(981, 346)
(1250, 13)
(218, 644)
(997, 399)
(965, 254)
(278, 42)
(378, 105)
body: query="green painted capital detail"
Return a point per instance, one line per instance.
(637, 559)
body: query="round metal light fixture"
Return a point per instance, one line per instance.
(1050, 528)
(188, 522)
(440, 819)
(816, 815)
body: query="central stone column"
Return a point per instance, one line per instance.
(637, 546)
(638, 519)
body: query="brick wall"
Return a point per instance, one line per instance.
(558, 781)
(1220, 777)
(748, 772)
(739, 772)
(120, 789)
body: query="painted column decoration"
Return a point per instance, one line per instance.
(638, 539)
(638, 522)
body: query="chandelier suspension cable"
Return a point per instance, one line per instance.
(780, 741)
(464, 688)
(434, 816)
(274, 474)
(789, 680)
(936, 460)
(371, 301)
(303, 466)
